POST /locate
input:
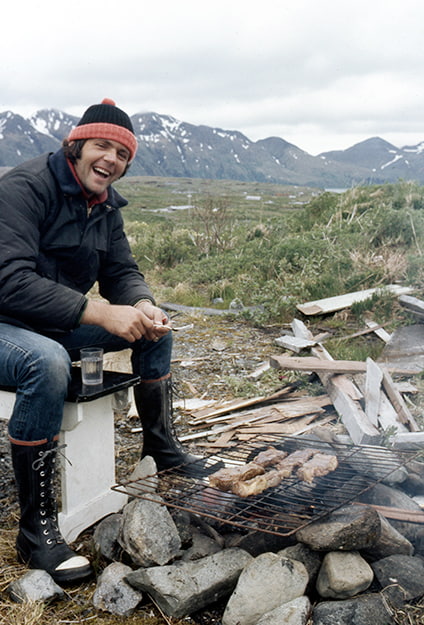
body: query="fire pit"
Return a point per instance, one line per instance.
(282, 509)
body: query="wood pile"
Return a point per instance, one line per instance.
(363, 396)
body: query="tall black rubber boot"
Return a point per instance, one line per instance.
(40, 544)
(154, 406)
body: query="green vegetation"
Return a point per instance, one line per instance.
(272, 246)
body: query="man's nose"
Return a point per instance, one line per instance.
(111, 155)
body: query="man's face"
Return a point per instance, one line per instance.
(102, 162)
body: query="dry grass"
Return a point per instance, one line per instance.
(410, 614)
(392, 262)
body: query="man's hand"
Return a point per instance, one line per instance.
(128, 322)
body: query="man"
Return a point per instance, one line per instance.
(61, 230)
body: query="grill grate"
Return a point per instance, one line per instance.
(281, 510)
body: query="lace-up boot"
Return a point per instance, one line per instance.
(40, 544)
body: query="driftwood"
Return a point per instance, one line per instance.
(228, 407)
(344, 394)
(413, 304)
(363, 394)
(311, 363)
(332, 304)
(379, 331)
(297, 343)
(289, 417)
(398, 403)
(384, 404)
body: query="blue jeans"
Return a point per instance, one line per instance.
(39, 367)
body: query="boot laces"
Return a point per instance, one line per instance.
(48, 508)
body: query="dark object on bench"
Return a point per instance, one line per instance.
(113, 381)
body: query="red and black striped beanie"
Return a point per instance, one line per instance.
(106, 121)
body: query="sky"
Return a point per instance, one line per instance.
(321, 74)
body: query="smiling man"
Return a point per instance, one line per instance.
(61, 231)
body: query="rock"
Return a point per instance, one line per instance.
(36, 585)
(186, 587)
(236, 304)
(267, 582)
(257, 542)
(405, 348)
(148, 533)
(351, 528)
(182, 522)
(370, 609)
(113, 594)
(201, 547)
(105, 536)
(146, 467)
(294, 612)
(310, 559)
(389, 542)
(384, 495)
(343, 575)
(401, 576)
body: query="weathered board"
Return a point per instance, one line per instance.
(338, 302)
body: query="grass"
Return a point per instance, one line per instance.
(270, 249)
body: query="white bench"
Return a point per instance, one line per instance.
(88, 460)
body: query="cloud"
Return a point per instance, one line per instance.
(319, 73)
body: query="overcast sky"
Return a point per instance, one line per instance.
(322, 74)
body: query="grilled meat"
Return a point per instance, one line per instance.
(317, 466)
(252, 479)
(270, 457)
(294, 460)
(224, 479)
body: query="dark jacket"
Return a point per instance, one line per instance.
(52, 253)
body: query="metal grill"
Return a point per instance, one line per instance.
(283, 509)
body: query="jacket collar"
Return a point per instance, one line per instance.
(69, 184)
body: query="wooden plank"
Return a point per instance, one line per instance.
(361, 430)
(338, 302)
(398, 403)
(220, 429)
(388, 417)
(412, 303)
(408, 440)
(379, 331)
(273, 412)
(346, 385)
(254, 375)
(344, 395)
(372, 391)
(223, 440)
(312, 363)
(296, 428)
(294, 343)
(238, 404)
(400, 514)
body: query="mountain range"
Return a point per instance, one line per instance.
(172, 148)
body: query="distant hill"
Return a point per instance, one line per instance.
(171, 148)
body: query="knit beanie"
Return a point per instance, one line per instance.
(106, 121)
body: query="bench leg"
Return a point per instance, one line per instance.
(88, 466)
